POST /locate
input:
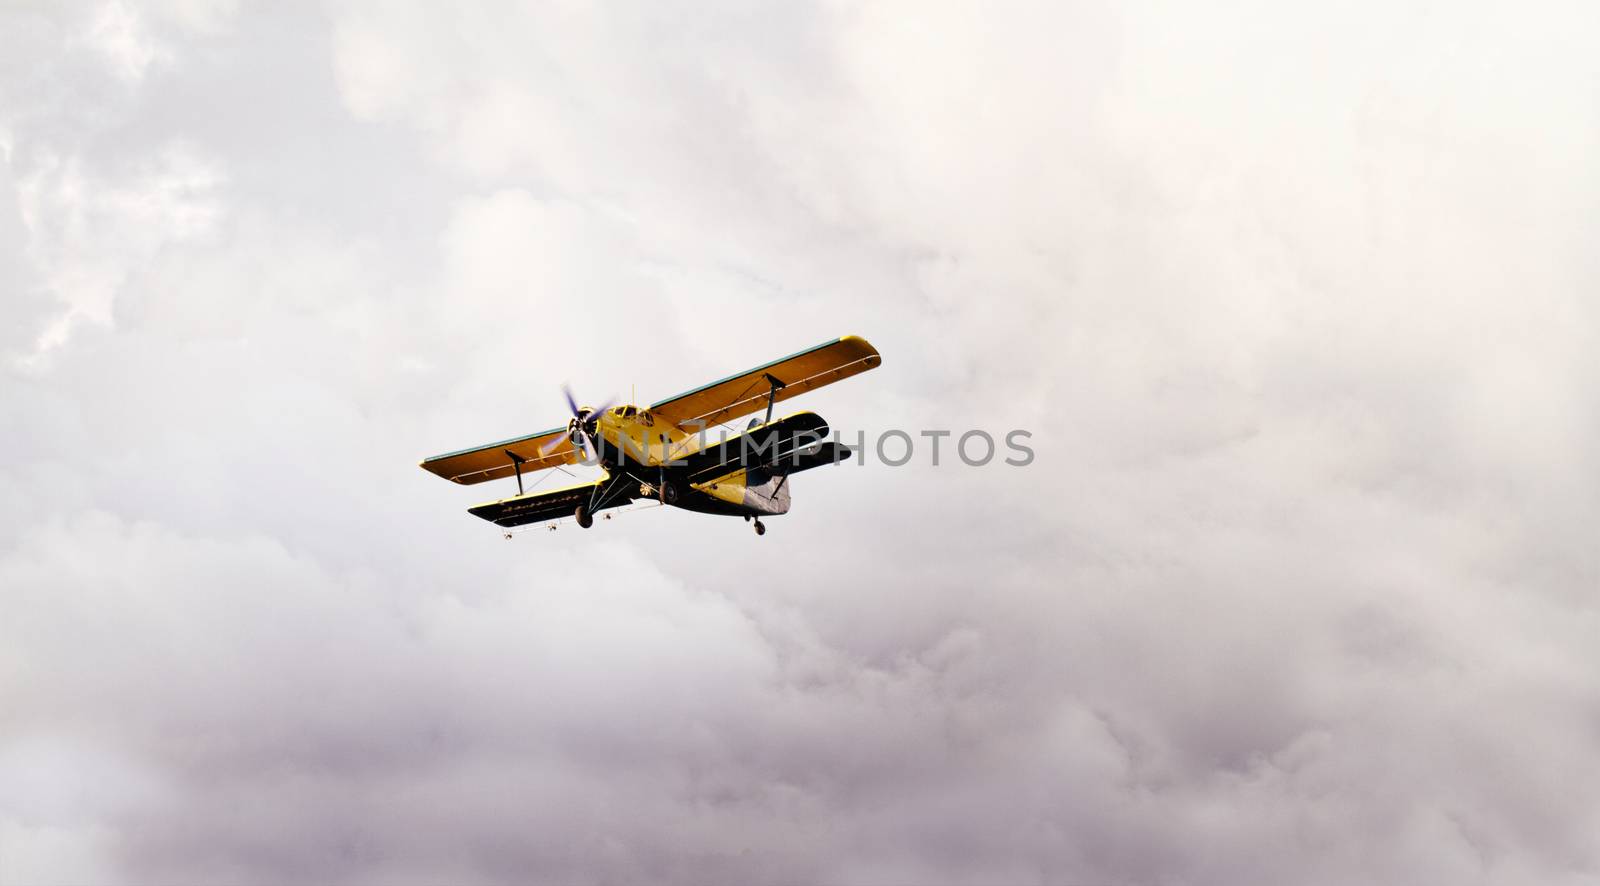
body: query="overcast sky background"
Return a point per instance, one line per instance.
(1299, 300)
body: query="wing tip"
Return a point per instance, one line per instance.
(873, 358)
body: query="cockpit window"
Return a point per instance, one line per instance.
(630, 411)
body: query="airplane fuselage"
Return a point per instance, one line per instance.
(657, 454)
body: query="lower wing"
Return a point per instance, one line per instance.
(540, 507)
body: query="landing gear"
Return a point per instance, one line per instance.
(585, 519)
(761, 528)
(664, 492)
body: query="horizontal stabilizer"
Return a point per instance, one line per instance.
(762, 445)
(827, 453)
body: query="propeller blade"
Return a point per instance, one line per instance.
(603, 407)
(576, 425)
(546, 449)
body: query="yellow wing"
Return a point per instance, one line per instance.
(747, 392)
(493, 461)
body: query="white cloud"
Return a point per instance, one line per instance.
(85, 236)
(117, 32)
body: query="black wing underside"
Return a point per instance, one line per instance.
(540, 507)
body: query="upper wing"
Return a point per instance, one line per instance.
(747, 392)
(492, 461)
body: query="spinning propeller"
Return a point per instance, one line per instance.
(580, 428)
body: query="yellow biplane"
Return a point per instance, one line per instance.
(678, 450)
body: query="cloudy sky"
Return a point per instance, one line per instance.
(1299, 301)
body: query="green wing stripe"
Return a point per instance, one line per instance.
(501, 445)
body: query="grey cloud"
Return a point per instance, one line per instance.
(1300, 587)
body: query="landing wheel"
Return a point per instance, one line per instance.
(761, 528)
(585, 519)
(669, 493)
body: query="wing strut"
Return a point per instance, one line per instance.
(516, 463)
(772, 395)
